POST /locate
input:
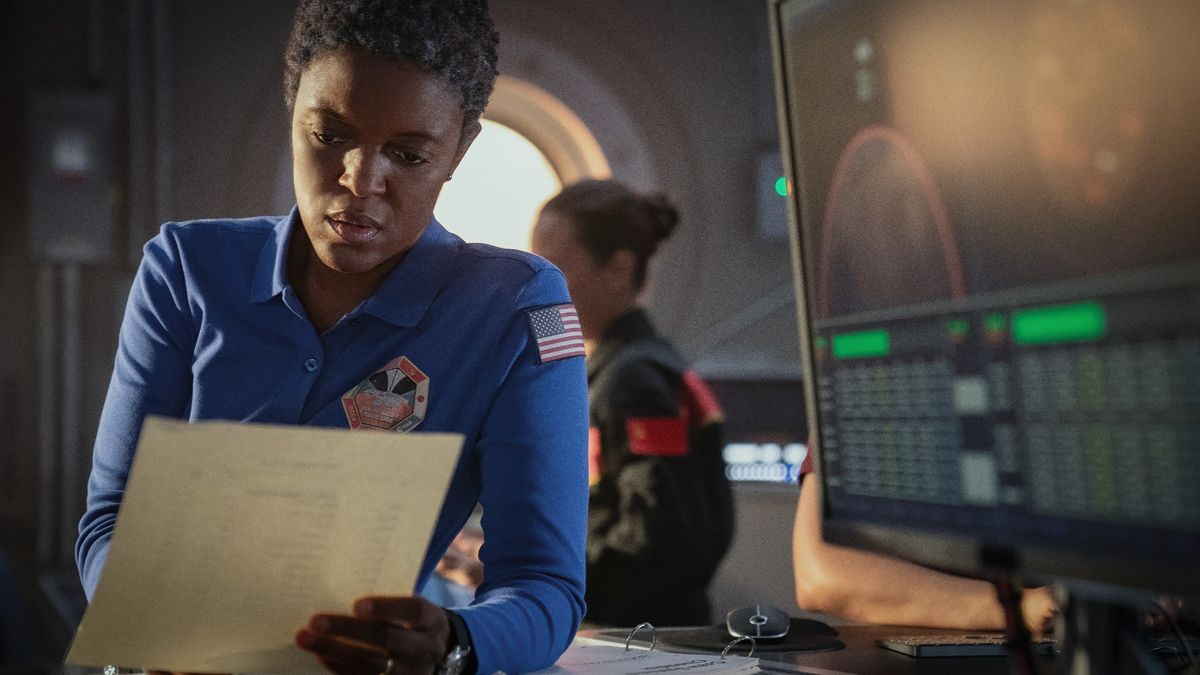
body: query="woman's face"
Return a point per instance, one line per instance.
(373, 141)
(589, 282)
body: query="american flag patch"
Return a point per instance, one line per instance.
(556, 329)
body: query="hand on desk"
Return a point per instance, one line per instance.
(384, 635)
(1039, 609)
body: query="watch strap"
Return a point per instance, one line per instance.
(460, 655)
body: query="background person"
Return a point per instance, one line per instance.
(358, 289)
(660, 510)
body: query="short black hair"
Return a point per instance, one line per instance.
(454, 39)
(607, 216)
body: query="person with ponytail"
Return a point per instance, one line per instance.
(660, 510)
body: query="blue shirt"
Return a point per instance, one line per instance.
(213, 330)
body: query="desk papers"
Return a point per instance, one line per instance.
(586, 657)
(231, 535)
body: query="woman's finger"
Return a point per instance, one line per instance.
(340, 666)
(410, 612)
(415, 650)
(342, 655)
(367, 631)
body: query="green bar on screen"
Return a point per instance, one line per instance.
(862, 345)
(1076, 322)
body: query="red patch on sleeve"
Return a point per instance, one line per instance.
(595, 459)
(657, 436)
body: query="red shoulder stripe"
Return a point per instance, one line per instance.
(701, 404)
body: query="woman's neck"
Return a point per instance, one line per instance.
(606, 317)
(327, 294)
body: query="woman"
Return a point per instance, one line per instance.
(358, 288)
(661, 514)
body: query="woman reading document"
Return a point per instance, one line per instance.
(359, 310)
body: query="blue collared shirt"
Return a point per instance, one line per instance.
(213, 330)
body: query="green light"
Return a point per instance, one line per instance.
(861, 345)
(994, 323)
(1077, 322)
(781, 186)
(957, 327)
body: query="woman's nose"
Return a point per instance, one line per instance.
(363, 173)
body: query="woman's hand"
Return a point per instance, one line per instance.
(384, 635)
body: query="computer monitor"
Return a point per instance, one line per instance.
(996, 228)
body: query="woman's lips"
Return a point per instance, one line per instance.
(352, 228)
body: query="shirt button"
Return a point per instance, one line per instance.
(311, 365)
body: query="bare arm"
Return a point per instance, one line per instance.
(873, 588)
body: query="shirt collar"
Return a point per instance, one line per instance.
(410, 289)
(403, 297)
(270, 277)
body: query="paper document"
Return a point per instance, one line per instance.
(231, 535)
(600, 659)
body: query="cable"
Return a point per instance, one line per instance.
(1018, 637)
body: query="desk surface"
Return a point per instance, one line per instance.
(862, 655)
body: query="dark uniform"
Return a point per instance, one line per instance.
(660, 516)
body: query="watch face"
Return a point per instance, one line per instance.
(455, 661)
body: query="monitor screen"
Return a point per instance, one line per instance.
(997, 233)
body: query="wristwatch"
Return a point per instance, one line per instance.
(458, 659)
(455, 662)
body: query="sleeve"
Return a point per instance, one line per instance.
(151, 376)
(650, 497)
(533, 457)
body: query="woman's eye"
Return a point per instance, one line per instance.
(324, 137)
(409, 157)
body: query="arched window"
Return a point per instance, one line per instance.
(497, 189)
(531, 145)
